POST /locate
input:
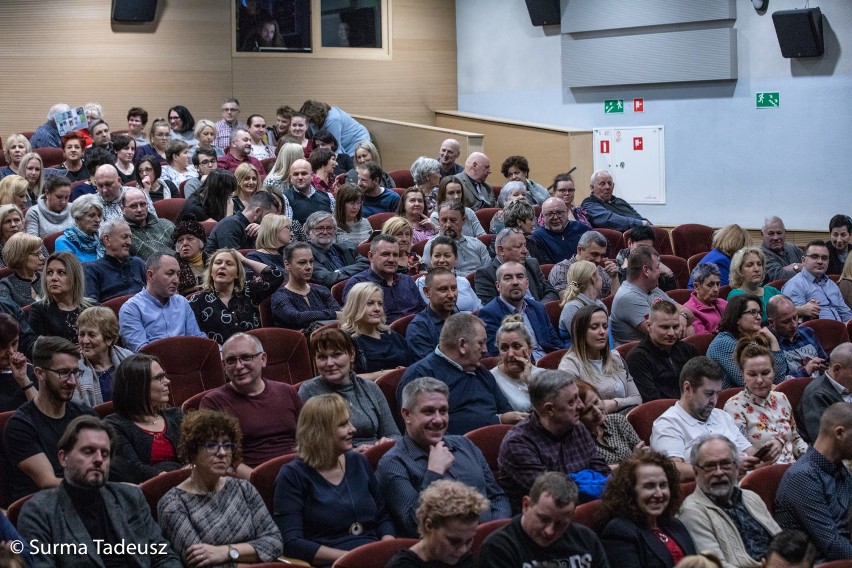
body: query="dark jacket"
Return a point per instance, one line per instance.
(657, 372)
(324, 271)
(492, 315)
(629, 545)
(818, 395)
(471, 198)
(540, 287)
(133, 447)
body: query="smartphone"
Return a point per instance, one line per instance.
(762, 452)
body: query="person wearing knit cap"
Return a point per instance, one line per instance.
(189, 239)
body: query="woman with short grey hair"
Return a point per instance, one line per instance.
(704, 301)
(82, 238)
(510, 193)
(426, 173)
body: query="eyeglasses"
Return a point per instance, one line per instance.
(822, 257)
(550, 214)
(244, 359)
(324, 229)
(711, 467)
(162, 378)
(229, 109)
(65, 375)
(213, 448)
(174, 118)
(752, 313)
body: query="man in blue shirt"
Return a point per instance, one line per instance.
(475, 398)
(805, 356)
(377, 199)
(401, 295)
(815, 494)
(811, 284)
(559, 237)
(424, 331)
(157, 311)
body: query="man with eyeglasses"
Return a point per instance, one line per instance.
(333, 261)
(607, 211)
(732, 523)
(151, 234)
(109, 190)
(204, 161)
(32, 434)
(557, 240)
(811, 284)
(266, 410)
(694, 415)
(158, 311)
(230, 122)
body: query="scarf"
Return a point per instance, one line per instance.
(80, 240)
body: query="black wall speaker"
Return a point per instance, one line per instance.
(544, 12)
(799, 32)
(134, 10)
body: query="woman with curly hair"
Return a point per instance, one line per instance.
(446, 520)
(638, 508)
(211, 518)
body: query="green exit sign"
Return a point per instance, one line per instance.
(613, 106)
(767, 100)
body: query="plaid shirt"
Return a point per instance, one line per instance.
(799, 350)
(223, 133)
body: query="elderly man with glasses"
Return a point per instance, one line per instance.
(266, 410)
(557, 240)
(333, 261)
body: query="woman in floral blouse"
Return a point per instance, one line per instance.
(764, 416)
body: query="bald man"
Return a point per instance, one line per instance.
(477, 192)
(450, 151)
(303, 198)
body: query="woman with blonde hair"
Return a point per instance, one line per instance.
(247, 184)
(380, 349)
(726, 241)
(97, 335)
(32, 170)
(409, 261)
(366, 151)
(11, 222)
(328, 501)
(746, 277)
(15, 148)
(515, 368)
(447, 519)
(13, 190)
(352, 227)
(278, 178)
(62, 299)
(205, 133)
(584, 289)
(23, 255)
(227, 303)
(275, 233)
(589, 359)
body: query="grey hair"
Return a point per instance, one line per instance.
(316, 218)
(503, 235)
(81, 205)
(592, 237)
(772, 219)
(108, 226)
(257, 343)
(422, 167)
(423, 385)
(236, 132)
(456, 327)
(597, 173)
(704, 271)
(696, 447)
(517, 211)
(507, 190)
(56, 109)
(547, 385)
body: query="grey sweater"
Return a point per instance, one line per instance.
(41, 221)
(369, 410)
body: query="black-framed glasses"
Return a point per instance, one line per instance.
(65, 375)
(245, 359)
(162, 378)
(753, 312)
(213, 448)
(712, 466)
(554, 214)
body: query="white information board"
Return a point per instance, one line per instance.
(635, 156)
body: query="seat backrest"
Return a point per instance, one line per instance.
(402, 178)
(15, 508)
(193, 364)
(484, 530)
(378, 219)
(616, 241)
(830, 333)
(662, 240)
(264, 310)
(287, 356)
(193, 402)
(488, 440)
(115, 303)
(607, 302)
(765, 481)
(375, 453)
(642, 417)
(626, 348)
(551, 360)
(169, 208)
(794, 389)
(401, 325)
(679, 295)
(693, 260)
(725, 395)
(554, 310)
(49, 241)
(485, 215)
(486, 239)
(700, 341)
(364, 248)
(263, 477)
(419, 247)
(678, 267)
(208, 225)
(545, 269)
(489, 362)
(50, 157)
(374, 554)
(588, 514)
(691, 238)
(104, 409)
(388, 383)
(337, 291)
(153, 489)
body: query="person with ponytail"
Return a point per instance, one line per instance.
(764, 416)
(584, 289)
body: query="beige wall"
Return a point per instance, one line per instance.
(69, 51)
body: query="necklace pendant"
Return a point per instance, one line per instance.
(356, 528)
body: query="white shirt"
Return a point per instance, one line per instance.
(676, 431)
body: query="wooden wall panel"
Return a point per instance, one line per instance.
(69, 51)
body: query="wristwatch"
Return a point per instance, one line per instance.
(233, 553)
(796, 267)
